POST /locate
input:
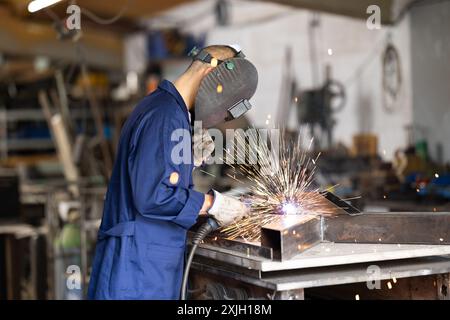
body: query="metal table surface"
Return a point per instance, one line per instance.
(333, 275)
(325, 254)
(325, 264)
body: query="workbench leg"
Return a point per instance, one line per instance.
(33, 267)
(13, 270)
(297, 294)
(443, 286)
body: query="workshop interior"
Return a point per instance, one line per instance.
(357, 92)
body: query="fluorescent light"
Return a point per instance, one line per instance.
(37, 5)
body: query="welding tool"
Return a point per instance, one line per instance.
(224, 211)
(209, 226)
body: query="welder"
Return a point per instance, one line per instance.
(151, 203)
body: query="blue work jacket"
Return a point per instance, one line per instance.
(150, 204)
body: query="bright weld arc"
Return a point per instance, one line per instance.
(289, 208)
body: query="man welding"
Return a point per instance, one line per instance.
(150, 203)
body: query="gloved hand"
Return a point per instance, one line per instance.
(226, 210)
(203, 146)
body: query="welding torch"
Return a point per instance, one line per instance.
(209, 226)
(224, 210)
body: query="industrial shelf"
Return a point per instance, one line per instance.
(32, 115)
(29, 144)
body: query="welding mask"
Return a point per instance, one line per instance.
(225, 91)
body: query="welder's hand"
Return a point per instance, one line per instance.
(203, 146)
(226, 210)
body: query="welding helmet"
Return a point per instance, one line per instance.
(225, 92)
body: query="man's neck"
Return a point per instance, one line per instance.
(187, 85)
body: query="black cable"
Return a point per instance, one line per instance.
(202, 232)
(107, 21)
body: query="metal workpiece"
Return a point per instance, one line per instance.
(291, 235)
(391, 227)
(254, 249)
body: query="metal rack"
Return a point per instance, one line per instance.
(8, 145)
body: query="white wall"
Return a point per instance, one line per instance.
(265, 30)
(430, 47)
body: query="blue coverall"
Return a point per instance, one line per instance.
(141, 241)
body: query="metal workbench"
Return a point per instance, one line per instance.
(324, 265)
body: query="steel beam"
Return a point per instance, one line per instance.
(393, 227)
(254, 249)
(291, 235)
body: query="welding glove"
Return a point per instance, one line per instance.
(226, 210)
(203, 146)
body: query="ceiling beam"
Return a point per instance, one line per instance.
(20, 37)
(136, 8)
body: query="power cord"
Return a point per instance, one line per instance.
(205, 229)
